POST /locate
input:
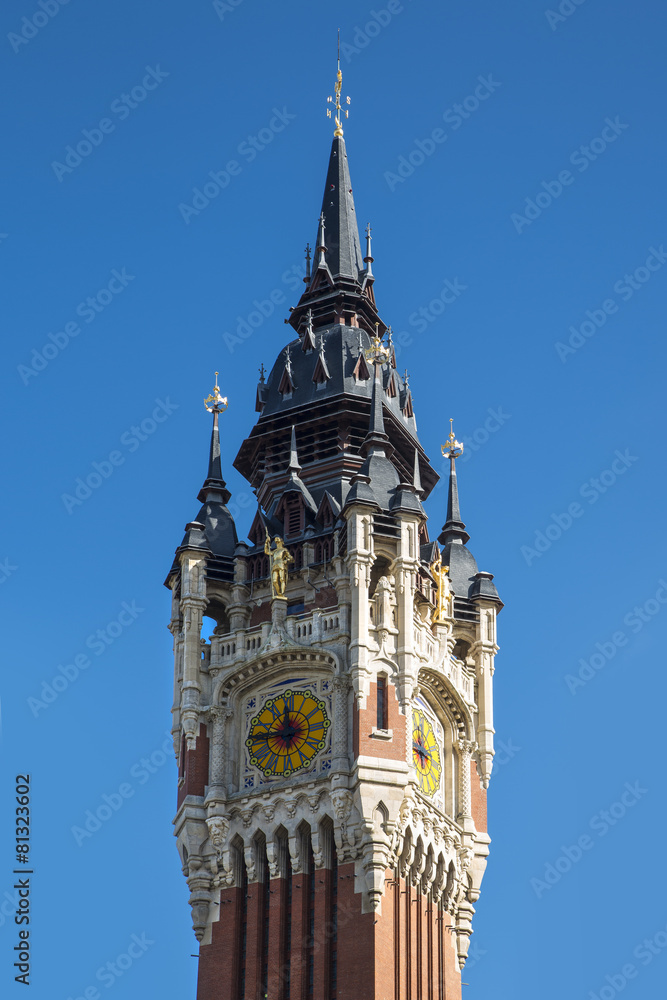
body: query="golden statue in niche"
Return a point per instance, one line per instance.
(444, 596)
(280, 559)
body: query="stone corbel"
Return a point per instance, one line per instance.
(250, 862)
(418, 865)
(463, 925)
(200, 901)
(294, 845)
(406, 858)
(273, 859)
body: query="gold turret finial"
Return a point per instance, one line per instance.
(336, 101)
(453, 448)
(218, 402)
(378, 353)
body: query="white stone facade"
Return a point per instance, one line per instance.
(373, 805)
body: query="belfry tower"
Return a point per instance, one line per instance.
(335, 734)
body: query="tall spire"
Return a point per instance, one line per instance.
(343, 252)
(214, 483)
(378, 354)
(454, 528)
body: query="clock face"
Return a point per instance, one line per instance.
(425, 753)
(288, 732)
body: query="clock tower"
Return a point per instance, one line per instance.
(334, 734)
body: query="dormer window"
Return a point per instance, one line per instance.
(361, 372)
(294, 521)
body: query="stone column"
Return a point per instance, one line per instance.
(217, 775)
(339, 748)
(466, 748)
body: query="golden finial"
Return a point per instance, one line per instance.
(336, 101)
(218, 402)
(453, 448)
(378, 352)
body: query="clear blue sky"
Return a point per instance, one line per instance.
(542, 201)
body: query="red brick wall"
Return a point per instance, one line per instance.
(261, 614)
(452, 976)
(356, 950)
(277, 937)
(477, 798)
(321, 942)
(196, 768)
(253, 960)
(326, 597)
(405, 952)
(218, 967)
(298, 953)
(365, 720)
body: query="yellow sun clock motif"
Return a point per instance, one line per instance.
(425, 753)
(288, 732)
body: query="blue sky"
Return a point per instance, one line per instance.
(541, 200)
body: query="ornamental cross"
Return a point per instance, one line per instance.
(452, 448)
(218, 403)
(338, 87)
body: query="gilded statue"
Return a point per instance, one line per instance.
(444, 597)
(280, 560)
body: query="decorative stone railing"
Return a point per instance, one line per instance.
(314, 627)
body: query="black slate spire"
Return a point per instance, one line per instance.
(377, 477)
(214, 483)
(453, 526)
(343, 249)
(213, 530)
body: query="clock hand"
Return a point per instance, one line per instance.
(288, 731)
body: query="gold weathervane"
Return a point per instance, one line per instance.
(337, 105)
(218, 403)
(453, 448)
(378, 353)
